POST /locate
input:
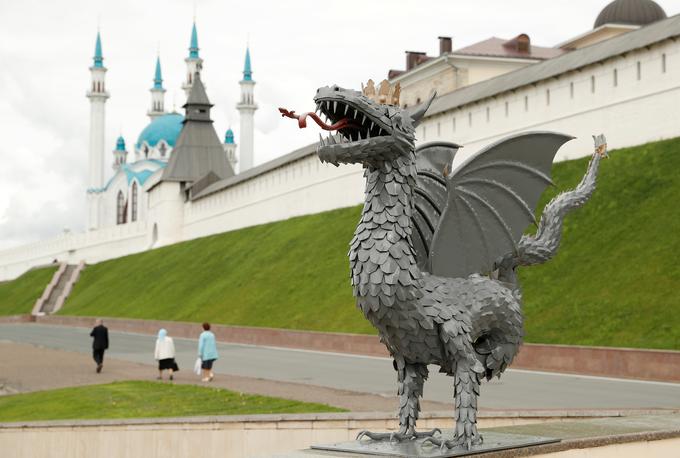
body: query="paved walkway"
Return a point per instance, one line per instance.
(518, 390)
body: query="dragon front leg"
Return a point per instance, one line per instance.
(411, 378)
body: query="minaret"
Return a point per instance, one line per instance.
(97, 95)
(246, 108)
(157, 93)
(230, 148)
(194, 62)
(119, 154)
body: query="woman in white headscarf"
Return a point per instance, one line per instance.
(165, 354)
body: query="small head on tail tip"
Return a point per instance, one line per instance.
(600, 145)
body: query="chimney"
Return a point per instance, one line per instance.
(445, 45)
(413, 58)
(524, 43)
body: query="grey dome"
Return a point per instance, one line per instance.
(630, 12)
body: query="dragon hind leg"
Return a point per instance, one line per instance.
(467, 381)
(411, 379)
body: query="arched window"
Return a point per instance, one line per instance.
(120, 208)
(163, 149)
(133, 209)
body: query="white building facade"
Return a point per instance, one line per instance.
(627, 87)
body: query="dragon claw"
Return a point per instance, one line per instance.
(465, 442)
(398, 436)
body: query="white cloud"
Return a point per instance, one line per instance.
(46, 49)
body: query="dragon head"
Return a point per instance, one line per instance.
(370, 132)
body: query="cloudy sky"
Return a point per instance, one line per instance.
(47, 47)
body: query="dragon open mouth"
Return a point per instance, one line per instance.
(350, 123)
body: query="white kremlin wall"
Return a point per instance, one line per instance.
(302, 187)
(632, 112)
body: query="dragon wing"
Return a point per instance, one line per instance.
(433, 165)
(489, 203)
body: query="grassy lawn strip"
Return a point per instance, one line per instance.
(18, 296)
(139, 399)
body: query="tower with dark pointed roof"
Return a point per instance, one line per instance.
(98, 96)
(157, 93)
(198, 151)
(193, 61)
(246, 108)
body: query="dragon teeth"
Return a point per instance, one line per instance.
(346, 109)
(371, 128)
(355, 114)
(335, 106)
(363, 120)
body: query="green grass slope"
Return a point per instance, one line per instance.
(613, 282)
(18, 296)
(291, 274)
(139, 399)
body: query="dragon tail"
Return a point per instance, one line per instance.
(542, 246)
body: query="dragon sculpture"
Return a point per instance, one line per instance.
(434, 256)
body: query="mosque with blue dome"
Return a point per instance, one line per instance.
(122, 198)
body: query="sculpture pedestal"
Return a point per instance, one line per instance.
(493, 441)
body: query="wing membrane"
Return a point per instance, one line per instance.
(433, 163)
(490, 203)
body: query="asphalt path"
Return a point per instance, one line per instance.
(517, 389)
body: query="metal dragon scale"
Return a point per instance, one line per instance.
(434, 255)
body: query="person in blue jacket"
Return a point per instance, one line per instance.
(207, 351)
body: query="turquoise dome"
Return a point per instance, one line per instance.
(166, 127)
(229, 137)
(120, 143)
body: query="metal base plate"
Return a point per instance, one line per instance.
(414, 449)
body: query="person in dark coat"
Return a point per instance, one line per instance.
(99, 344)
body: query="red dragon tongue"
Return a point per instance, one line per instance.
(302, 120)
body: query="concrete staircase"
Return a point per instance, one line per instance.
(58, 289)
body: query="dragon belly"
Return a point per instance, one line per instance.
(408, 333)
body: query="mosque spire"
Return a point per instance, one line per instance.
(119, 154)
(158, 77)
(246, 108)
(230, 148)
(157, 93)
(193, 46)
(98, 57)
(98, 96)
(247, 70)
(194, 61)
